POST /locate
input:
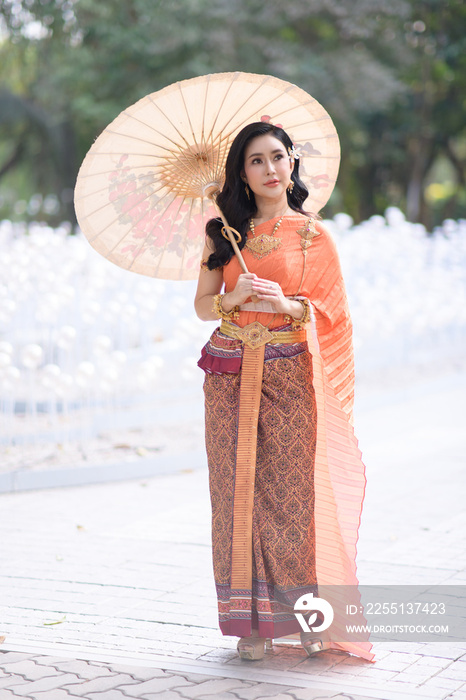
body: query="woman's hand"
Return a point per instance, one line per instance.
(242, 292)
(269, 291)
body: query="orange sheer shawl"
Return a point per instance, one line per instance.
(339, 471)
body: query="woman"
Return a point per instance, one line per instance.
(286, 480)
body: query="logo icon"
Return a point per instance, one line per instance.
(307, 602)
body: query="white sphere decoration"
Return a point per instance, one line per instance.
(108, 379)
(147, 374)
(156, 361)
(343, 221)
(6, 347)
(102, 345)
(119, 357)
(9, 378)
(5, 359)
(50, 374)
(91, 310)
(129, 312)
(189, 369)
(64, 385)
(31, 356)
(66, 337)
(394, 216)
(85, 372)
(13, 373)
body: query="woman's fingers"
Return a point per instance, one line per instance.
(267, 287)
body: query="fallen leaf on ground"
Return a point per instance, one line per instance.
(57, 622)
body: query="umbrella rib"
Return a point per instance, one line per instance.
(219, 150)
(159, 133)
(240, 107)
(171, 123)
(200, 163)
(84, 175)
(266, 105)
(229, 87)
(190, 167)
(135, 138)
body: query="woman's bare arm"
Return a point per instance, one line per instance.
(210, 283)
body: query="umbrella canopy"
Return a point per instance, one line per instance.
(142, 193)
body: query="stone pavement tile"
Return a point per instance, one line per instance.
(436, 662)
(194, 677)
(57, 694)
(219, 655)
(377, 674)
(115, 694)
(232, 696)
(155, 685)
(213, 687)
(11, 656)
(258, 690)
(458, 695)
(350, 667)
(445, 651)
(29, 669)
(50, 660)
(315, 694)
(49, 683)
(396, 662)
(165, 695)
(97, 685)
(82, 669)
(456, 670)
(9, 695)
(9, 681)
(326, 663)
(140, 673)
(415, 674)
(447, 683)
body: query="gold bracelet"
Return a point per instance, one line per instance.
(305, 318)
(217, 308)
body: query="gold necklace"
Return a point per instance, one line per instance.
(263, 244)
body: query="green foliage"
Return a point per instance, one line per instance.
(390, 72)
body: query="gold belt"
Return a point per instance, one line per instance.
(255, 334)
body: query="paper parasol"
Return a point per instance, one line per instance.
(141, 196)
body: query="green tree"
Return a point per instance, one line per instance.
(391, 74)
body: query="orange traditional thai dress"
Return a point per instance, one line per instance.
(285, 472)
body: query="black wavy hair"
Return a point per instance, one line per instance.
(233, 200)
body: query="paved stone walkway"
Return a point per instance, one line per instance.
(106, 591)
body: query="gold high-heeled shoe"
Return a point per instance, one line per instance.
(251, 648)
(312, 645)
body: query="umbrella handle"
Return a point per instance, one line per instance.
(232, 239)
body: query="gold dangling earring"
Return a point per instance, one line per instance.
(290, 186)
(246, 189)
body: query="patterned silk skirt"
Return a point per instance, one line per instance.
(283, 534)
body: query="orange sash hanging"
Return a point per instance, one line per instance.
(248, 419)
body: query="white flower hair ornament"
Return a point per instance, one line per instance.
(294, 153)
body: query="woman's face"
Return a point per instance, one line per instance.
(267, 167)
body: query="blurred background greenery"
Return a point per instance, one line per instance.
(391, 73)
